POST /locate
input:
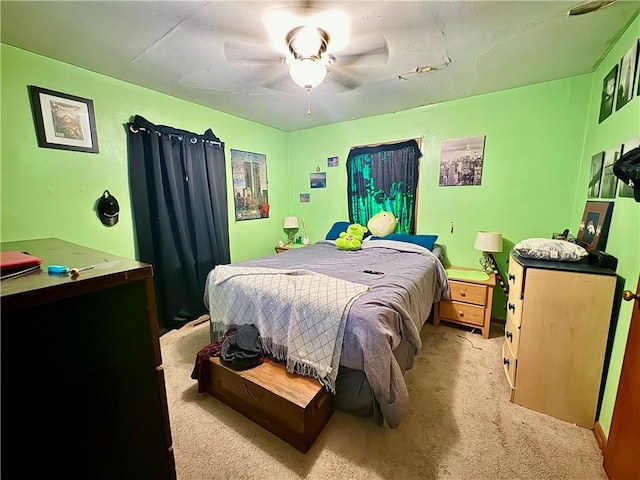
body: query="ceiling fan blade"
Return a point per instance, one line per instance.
(343, 79)
(367, 51)
(279, 81)
(243, 53)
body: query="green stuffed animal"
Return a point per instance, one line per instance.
(352, 238)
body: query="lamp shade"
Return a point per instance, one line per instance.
(290, 222)
(488, 242)
(307, 73)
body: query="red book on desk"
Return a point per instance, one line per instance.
(13, 262)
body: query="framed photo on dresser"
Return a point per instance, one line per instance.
(594, 227)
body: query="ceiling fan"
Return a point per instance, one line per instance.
(313, 45)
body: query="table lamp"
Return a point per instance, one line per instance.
(291, 227)
(488, 243)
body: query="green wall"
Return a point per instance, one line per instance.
(52, 193)
(624, 236)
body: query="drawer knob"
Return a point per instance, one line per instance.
(461, 313)
(512, 307)
(509, 335)
(512, 277)
(463, 293)
(505, 361)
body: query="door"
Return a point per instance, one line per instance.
(621, 459)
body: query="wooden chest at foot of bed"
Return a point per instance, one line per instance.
(293, 407)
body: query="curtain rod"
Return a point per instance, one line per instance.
(213, 142)
(417, 139)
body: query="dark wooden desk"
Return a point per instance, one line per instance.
(83, 392)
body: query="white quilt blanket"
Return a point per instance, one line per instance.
(300, 314)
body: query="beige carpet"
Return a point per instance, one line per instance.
(461, 425)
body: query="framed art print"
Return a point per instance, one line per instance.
(250, 185)
(594, 227)
(609, 182)
(63, 121)
(596, 175)
(608, 93)
(627, 77)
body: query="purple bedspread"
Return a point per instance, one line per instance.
(396, 306)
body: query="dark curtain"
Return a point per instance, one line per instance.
(384, 178)
(179, 196)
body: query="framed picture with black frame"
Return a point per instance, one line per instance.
(63, 121)
(594, 227)
(608, 94)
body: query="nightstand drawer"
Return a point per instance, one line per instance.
(468, 292)
(512, 336)
(462, 312)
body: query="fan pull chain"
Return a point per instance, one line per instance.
(308, 101)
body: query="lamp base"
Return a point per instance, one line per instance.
(487, 262)
(489, 265)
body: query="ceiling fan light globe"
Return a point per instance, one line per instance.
(307, 73)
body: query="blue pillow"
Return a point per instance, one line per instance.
(336, 230)
(426, 241)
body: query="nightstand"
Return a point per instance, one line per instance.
(471, 299)
(288, 246)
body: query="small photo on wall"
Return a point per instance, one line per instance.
(626, 84)
(332, 162)
(305, 198)
(608, 93)
(609, 179)
(319, 180)
(625, 190)
(596, 175)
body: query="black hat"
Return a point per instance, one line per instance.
(627, 169)
(108, 209)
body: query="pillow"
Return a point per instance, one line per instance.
(382, 224)
(546, 249)
(426, 241)
(336, 230)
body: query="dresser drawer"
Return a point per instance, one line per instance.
(512, 336)
(509, 364)
(515, 278)
(462, 312)
(468, 292)
(514, 309)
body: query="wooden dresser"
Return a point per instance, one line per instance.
(558, 316)
(83, 392)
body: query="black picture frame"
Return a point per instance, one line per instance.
(597, 162)
(638, 67)
(63, 121)
(594, 227)
(609, 87)
(626, 77)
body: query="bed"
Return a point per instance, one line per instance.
(394, 285)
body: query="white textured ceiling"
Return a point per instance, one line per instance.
(179, 48)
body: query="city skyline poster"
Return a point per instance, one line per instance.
(461, 161)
